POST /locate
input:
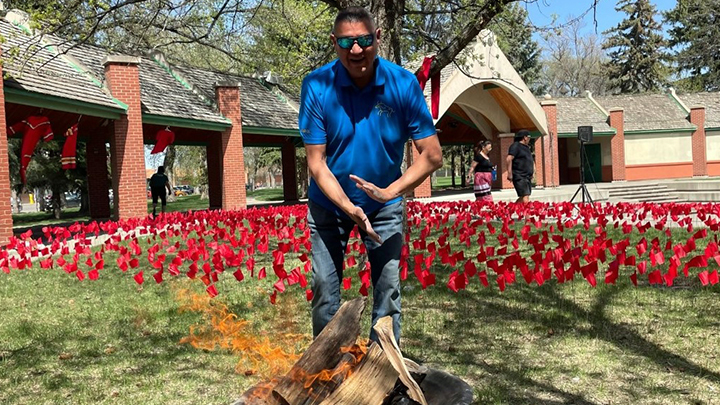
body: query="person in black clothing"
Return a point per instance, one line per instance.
(481, 171)
(521, 166)
(158, 183)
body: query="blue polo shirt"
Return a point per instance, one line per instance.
(364, 130)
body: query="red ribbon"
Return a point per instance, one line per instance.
(423, 76)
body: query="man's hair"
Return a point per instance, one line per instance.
(355, 14)
(519, 135)
(161, 169)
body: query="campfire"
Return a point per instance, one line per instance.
(337, 370)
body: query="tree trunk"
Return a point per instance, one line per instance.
(84, 200)
(303, 176)
(388, 15)
(169, 163)
(452, 164)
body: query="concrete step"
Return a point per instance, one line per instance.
(614, 188)
(645, 192)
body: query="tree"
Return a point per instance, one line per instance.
(222, 28)
(515, 40)
(572, 62)
(45, 172)
(694, 35)
(635, 63)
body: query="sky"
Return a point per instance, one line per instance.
(541, 12)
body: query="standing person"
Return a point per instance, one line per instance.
(521, 166)
(158, 183)
(356, 115)
(481, 171)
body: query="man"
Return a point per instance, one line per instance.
(356, 115)
(158, 183)
(521, 166)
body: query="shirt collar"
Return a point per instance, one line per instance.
(344, 79)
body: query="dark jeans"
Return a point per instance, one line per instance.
(329, 236)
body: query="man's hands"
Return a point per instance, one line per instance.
(358, 215)
(376, 193)
(509, 176)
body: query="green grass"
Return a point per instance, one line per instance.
(446, 182)
(267, 194)
(28, 219)
(65, 341)
(183, 203)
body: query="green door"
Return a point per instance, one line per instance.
(593, 163)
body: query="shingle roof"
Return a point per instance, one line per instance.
(160, 92)
(261, 107)
(37, 68)
(573, 112)
(648, 111)
(163, 94)
(711, 102)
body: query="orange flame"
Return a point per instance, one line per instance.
(225, 331)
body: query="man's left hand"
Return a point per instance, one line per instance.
(376, 193)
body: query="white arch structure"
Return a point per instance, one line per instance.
(491, 92)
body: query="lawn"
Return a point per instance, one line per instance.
(267, 194)
(446, 182)
(27, 219)
(183, 204)
(111, 340)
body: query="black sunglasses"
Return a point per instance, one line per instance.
(348, 42)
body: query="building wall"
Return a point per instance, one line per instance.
(713, 152)
(573, 148)
(572, 175)
(663, 148)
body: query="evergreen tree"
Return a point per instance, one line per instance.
(694, 33)
(514, 35)
(636, 58)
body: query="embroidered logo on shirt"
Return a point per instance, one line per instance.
(383, 109)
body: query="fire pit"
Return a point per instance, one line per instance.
(336, 371)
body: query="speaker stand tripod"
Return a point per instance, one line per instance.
(582, 188)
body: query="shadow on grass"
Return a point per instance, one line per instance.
(515, 377)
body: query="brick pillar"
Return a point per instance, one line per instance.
(699, 151)
(505, 141)
(5, 192)
(549, 146)
(289, 171)
(617, 144)
(539, 161)
(126, 143)
(424, 190)
(227, 95)
(214, 170)
(97, 173)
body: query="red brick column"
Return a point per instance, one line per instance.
(231, 159)
(699, 152)
(289, 171)
(98, 184)
(214, 161)
(6, 223)
(549, 162)
(424, 190)
(505, 141)
(617, 144)
(126, 143)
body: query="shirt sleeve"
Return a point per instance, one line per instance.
(419, 121)
(310, 119)
(513, 151)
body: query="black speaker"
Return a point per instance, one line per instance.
(585, 133)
